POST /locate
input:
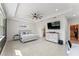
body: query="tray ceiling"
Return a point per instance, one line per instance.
(24, 10)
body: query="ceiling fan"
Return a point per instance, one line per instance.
(36, 16)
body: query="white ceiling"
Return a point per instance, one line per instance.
(24, 10)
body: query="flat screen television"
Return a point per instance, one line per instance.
(54, 25)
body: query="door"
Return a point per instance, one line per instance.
(74, 36)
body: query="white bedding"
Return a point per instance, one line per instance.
(28, 37)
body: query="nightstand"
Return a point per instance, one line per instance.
(16, 37)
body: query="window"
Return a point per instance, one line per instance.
(1, 21)
(1, 26)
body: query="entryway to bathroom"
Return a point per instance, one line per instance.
(74, 40)
(74, 36)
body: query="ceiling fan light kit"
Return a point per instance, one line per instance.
(36, 16)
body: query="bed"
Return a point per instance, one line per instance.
(28, 35)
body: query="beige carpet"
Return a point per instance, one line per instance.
(74, 50)
(40, 47)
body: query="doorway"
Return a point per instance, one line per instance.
(74, 36)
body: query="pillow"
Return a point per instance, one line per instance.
(23, 32)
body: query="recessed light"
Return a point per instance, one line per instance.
(56, 9)
(74, 14)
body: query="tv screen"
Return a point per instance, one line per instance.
(54, 25)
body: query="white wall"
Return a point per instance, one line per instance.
(68, 31)
(14, 25)
(73, 20)
(10, 9)
(62, 31)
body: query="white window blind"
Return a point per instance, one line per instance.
(1, 22)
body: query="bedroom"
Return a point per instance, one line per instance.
(28, 22)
